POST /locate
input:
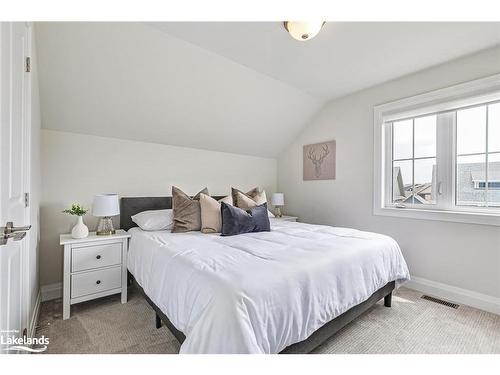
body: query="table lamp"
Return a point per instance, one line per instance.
(105, 206)
(278, 201)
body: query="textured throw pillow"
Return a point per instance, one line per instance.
(211, 221)
(154, 219)
(250, 194)
(238, 221)
(187, 212)
(250, 199)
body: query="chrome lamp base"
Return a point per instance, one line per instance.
(277, 211)
(105, 227)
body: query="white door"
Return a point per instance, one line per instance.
(15, 128)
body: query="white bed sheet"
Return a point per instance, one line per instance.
(260, 292)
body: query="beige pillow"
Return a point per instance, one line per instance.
(211, 220)
(250, 194)
(251, 199)
(186, 210)
(228, 200)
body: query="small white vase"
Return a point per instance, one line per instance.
(80, 230)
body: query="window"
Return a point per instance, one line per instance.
(478, 156)
(414, 160)
(437, 155)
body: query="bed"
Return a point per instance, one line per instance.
(284, 291)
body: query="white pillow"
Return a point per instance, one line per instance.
(270, 214)
(154, 219)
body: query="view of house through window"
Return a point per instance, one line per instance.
(476, 162)
(414, 160)
(478, 156)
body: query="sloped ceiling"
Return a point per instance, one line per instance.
(243, 87)
(345, 56)
(133, 81)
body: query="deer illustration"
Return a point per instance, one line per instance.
(317, 160)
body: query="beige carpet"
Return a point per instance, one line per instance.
(411, 325)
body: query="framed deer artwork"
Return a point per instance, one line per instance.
(319, 161)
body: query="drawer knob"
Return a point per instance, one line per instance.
(98, 282)
(98, 257)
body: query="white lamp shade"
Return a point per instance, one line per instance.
(105, 205)
(278, 199)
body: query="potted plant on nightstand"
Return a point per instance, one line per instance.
(80, 230)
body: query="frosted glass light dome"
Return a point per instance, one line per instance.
(303, 30)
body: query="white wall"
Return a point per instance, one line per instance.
(458, 255)
(75, 167)
(133, 81)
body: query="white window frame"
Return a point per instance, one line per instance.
(441, 101)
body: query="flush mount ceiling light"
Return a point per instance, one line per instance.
(303, 30)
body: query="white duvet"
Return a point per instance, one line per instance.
(260, 292)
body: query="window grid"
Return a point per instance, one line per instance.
(412, 158)
(444, 103)
(486, 154)
(486, 159)
(412, 161)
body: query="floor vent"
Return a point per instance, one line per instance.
(441, 302)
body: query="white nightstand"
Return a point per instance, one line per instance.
(286, 218)
(94, 267)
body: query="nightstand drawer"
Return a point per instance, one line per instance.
(83, 284)
(90, 257)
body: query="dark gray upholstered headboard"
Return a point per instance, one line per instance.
(130, 206)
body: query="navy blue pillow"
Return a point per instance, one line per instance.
(238, 221)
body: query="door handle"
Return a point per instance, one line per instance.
(15, 236)
(18, 236)
(10, 231)
(10, 228)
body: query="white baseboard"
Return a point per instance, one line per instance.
(51, 291)
(455, 294)
(34, 316)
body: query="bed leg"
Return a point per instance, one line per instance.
(158, 321)
(388, 300)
